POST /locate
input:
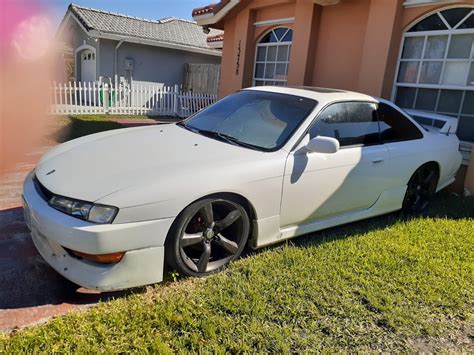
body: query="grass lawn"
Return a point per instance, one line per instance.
(388, 283)
(70, 127)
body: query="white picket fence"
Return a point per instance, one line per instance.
(119, 99)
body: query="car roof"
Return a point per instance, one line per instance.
(322, 95)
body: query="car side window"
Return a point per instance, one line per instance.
(394, 126)
(351, 123)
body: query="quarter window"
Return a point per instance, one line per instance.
(273, 58)
(351, 123)
(394, 126)
(436, 67)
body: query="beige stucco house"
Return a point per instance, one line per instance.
(418, 53)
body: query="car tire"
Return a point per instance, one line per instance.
(206, 236)
(421, 189)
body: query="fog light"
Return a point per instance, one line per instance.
(102, 258)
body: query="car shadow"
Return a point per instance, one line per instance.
(27, 280)
(445, 205)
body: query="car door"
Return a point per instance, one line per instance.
(317, 186)
(402, 139)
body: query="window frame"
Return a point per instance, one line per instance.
(316, 118)
(414, 3)
(283, 82)
(450, 31)
(376, 103)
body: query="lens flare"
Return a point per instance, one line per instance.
(27, 57)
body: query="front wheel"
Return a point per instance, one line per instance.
(207, 236)
(420, 189)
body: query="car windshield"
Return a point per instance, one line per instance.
(253, 119)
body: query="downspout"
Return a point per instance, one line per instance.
(115, 58)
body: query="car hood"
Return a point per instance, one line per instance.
(99, 165)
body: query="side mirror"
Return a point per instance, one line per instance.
(321, 144)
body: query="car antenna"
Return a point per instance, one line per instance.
(449, 129)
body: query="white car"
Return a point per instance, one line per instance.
(107, 211)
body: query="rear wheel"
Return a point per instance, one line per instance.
(207, 236)
(420, 189)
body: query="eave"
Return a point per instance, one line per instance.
(213, 13)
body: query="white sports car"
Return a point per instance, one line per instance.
(107, 211)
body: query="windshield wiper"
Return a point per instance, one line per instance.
(224, 137)
(184, 125)
(235, 141)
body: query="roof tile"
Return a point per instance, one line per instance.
(216, 38)
(211, 8)
(171, 30)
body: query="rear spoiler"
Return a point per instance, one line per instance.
(435, 123)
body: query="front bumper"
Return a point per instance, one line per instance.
(53, 231)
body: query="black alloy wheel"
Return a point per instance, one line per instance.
(420, 189)
(206, 236)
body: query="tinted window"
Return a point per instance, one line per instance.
(432, 23)
(263, 119)
(454, 16)
(394, 126)
(351, 123)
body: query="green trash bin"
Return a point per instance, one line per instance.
(111, 97)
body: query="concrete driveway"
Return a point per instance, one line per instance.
(31, 291)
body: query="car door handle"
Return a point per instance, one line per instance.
(378, 161)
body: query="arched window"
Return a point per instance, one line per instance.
(273, 57)
(436, 67)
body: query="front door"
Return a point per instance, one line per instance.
(87, 66)
(318, 186)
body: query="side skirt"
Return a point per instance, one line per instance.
(389, 201)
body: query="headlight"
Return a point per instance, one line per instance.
(84, 210)
(102, 214)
